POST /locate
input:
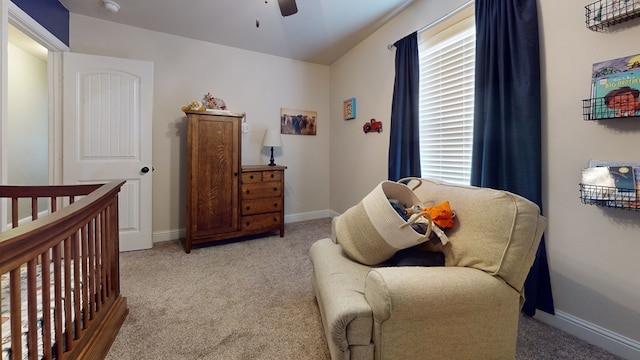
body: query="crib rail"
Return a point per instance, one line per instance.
(63, 272)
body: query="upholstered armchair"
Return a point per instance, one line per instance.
(467, 309)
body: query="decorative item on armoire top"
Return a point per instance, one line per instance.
(194, 105)
(298, 122)
(211, 102)
(271, 138)
(349, 109)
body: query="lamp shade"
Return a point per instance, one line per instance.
(271, 138)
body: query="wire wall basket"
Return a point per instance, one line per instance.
(602, 14)
(601, 108)
(628, 199)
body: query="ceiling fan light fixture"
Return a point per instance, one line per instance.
(288, 7)
(111, 5)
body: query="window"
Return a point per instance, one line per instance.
(447, 73)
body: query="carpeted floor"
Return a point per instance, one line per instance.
(253, 299)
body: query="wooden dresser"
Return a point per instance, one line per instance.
(224, 199)
(262, 198)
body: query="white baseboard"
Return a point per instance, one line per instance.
(160, 236)
(592, 333)
(313, 215)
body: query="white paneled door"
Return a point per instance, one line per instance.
(106, 135)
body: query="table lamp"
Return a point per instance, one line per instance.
(271, 139)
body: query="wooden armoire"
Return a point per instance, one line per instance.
(224, 199)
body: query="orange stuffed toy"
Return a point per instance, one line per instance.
(441, 214)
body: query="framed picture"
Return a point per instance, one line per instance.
(298, 122)
(349, 109)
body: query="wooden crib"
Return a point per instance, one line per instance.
(60, 273)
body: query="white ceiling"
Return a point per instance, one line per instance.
(321, 31)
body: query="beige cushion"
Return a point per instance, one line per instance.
(423, 313)
(496, 231)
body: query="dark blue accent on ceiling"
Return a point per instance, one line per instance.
(51, 14)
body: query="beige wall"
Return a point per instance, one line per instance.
(258, 84)
(592, 251)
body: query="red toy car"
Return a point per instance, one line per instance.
(373, 125)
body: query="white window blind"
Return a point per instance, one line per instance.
(447, 72)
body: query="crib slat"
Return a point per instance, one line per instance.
(68, 319)
(85, 275)
(16, 313)
(76, 284)
(92, 270)
(113, 230)
(34, 208)
(108, 251)
(57, 299)
(54, 204)
(46, 304)
(101, 267)
(32, 310)
(14, 212)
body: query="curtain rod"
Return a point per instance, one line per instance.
(438, 21)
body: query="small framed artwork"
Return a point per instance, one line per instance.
(349, 109)
(298, 122)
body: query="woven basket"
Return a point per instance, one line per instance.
(372, 231)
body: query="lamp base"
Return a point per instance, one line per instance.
(272, 163)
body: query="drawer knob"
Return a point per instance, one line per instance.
(248, 207)
(275, 189)
(248, 191)
(275, 205)
(273, 175)
(251, 177)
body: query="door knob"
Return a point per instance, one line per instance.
(144, 170)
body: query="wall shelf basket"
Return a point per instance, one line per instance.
(602, 14)
(596, 109)
(612, 197)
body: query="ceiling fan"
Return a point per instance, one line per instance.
(287, 7)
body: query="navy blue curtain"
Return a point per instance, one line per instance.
(404, 144)
(507, 117)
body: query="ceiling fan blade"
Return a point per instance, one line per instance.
(288, 7)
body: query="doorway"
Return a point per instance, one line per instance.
(28, 114)
(32, 150)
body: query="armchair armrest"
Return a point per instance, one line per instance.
(442, 312)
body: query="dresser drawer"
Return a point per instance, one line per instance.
(251, 177)
(263, 222)
(260, 206)
(258, 176)
(261, 190)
